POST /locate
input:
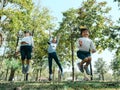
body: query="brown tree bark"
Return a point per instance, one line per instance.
(12, 73)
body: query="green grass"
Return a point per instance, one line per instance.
(68, 85)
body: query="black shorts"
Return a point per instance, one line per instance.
(25, 52)
(83, 54)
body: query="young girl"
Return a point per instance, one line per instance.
(85, 46)
(26, 46)
(53, 42)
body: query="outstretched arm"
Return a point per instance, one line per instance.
(50, 38)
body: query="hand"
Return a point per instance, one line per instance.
(80, 42)
(93, 51)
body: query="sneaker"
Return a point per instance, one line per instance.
(87, 70)
(86, 79)
(80, 67)
(50, 77)
(23, 69)
(27, 69)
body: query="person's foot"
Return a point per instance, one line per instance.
(80, 67)
(23, 69)
(87, 70)
(86, 79)
(50, 77)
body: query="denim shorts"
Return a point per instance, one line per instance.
(83, 54)
(25, 52)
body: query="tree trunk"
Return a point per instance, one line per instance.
(37, 75)
(1, 74)
(99, 77)
(72, 51)
(59, 76)
(53, 73)
(91, 71)
(12, 73)
(6, 74)
(40, 73)
(102, 76)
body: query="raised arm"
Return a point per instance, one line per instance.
(50, 38)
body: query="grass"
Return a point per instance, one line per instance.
(66, 85)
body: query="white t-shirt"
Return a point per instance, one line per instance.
(87, 44)
(28, 39)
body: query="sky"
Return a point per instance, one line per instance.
(56, 8)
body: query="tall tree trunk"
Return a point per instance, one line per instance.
(1, 74)
(72, 51)
(99, 76)
(6, 74)
(59, 76)
(12, 73)
(102, 76)
(40, 73)
(53, 73)
(91, 71)
(37, 75)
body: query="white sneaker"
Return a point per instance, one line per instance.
(27, 69)
(50, 77)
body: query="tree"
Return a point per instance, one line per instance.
(101, 68)
(91, 15)
(115, 65)
(114, 44)
(23, 15)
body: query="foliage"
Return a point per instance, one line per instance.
(115, 65)
(101, 67)
(12, 63)
(24, 15)
(91, 15)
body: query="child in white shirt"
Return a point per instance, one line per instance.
(85, 47)
(26, 46)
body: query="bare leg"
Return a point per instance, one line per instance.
(88, 61)
(27, 62)
(27, 66)
(83, 61)
(80, 65)
(23, 66)
(86, 66)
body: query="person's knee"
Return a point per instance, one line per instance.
(27, 61)
(89, 59)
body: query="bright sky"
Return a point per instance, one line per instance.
(58, 6)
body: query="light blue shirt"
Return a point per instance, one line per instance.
(52, 46)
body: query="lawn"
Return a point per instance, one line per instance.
(66, 85)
